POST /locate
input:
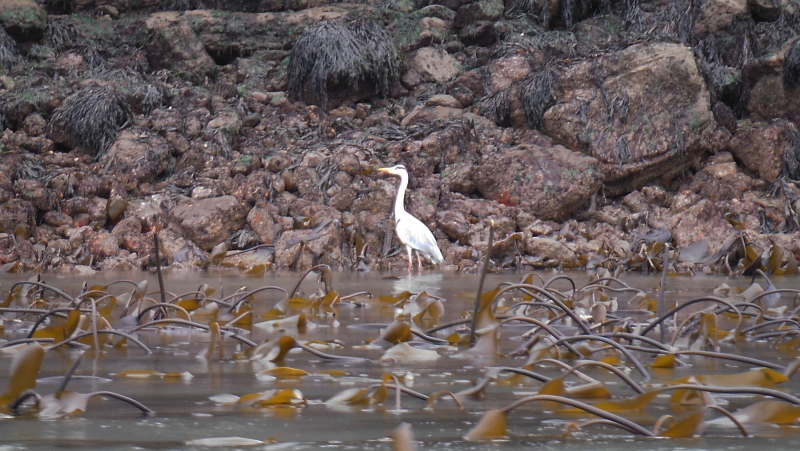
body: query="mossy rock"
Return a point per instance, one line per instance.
(23, 19)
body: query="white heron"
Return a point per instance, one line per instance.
(410, 230)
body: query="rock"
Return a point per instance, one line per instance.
(720, 179)
(175, 46)
(262, 219)
(208, 222)
(548, 253)
(648, 119)
(444, 100)
(130, 236)
(434, 65)
(481, 10)
(102, 244)
(549, 182)
(701, 220)
(762, 148)
(137, 156)
(767, 96)
(18, 213)
(23, 19)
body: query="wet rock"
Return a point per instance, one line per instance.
(262, 220)
(767, 96)
(548, 253)
(763, 148)
(208, 222)
(130, 236)
(700, 220)
(57, 218)
(136, 157)
(102, 244)
(33, 190)
(503, 72)
(17, 213)
(720, 179)
(548, 182)
(181, 252)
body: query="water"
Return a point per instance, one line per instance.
(185, 410)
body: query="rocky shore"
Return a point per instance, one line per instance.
(247, 133)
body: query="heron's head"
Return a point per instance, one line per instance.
(394, 170)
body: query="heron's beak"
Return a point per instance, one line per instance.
(386, 170)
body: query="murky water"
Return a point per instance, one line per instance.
(185, 410)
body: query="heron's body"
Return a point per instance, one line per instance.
(411, 231)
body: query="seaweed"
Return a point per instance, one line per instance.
(496, 108)
(9, 54)
(93, 117)
(347, 50)
(538, 95)
(791, 67)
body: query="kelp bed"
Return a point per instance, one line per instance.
(534, 359)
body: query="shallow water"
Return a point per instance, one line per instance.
(186, 412)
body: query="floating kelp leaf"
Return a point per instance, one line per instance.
(696, 252)
(487, 345)
(770, 412)
(403, 438)
(284, 372)
(206, 313)
(190, 304)
(689, 397)
(638, 402)
(492, 426)
(215, 343)
(275, 351)
(271, 398)
(397, 332)
(760, 377)
(360, 396)
(224, 399)
(299, 321)
(225, 442)
(10, 267)
(60, 329)
(257, 270)
(432, 311)
(404, 352)
(219, 252)
(139, 374)
(333, 373)
(141, 289)
(688, 427)
(664, 361)
(23, 372)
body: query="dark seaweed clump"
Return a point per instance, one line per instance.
(9, 55)
(347, 51)
(92, 117)
(791, 67)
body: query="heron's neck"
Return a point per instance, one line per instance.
(400, 199)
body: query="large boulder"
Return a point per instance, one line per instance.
(549, 182)
(644, 113)
(208, 222)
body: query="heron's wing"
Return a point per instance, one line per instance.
(413, 233)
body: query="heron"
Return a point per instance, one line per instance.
(411, 231)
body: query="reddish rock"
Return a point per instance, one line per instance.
(208, 222)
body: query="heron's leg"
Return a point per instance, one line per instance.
(410, 260)
(419, 262)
